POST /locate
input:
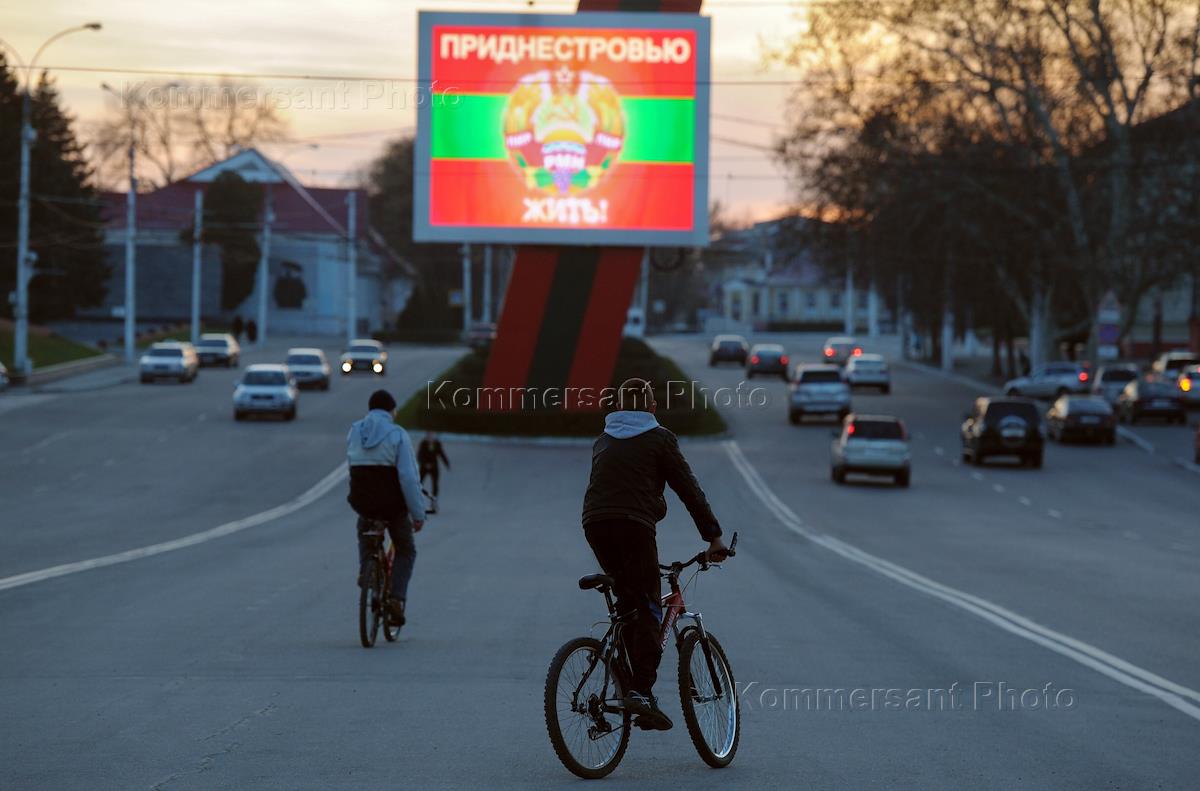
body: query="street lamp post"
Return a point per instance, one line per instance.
(28, 135)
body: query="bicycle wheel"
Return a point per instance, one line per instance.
(368, 615)
(714, 723)
(587, 740)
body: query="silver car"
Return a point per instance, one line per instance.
(818, 390)
(219, 348)
(1052, 380)
(871, 444)
(1169, 364)
(365, 354)
(869, 370)
(1110, 380)
(265, 389)
(169, 360)
(309, 367)
(1189, 386)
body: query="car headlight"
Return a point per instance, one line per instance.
(346, 366)
(377, 367)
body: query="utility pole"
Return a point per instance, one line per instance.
(466, 286)
(130, 253)
(486, 308)
(197, 252)
(873, 312)
(352, 261)
(264, 264)
(848, 301)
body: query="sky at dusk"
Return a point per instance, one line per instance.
(376, 39)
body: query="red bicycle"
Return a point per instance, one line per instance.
(588, 725)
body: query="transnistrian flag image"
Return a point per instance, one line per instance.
(562, 127)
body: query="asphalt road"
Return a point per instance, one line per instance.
(233, 663)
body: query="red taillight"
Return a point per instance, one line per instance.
(849, 429)
(1083, 377)
(857, 352)
(754, 359)
(828, 352)
(783, 359)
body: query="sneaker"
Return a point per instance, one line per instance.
(395, 611)
(647, 715)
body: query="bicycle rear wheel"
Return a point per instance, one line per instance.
(714, 722)
(369, 604)
(588, 741)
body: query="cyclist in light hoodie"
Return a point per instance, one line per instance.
(385, 491)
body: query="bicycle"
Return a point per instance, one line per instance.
(376, 581)
(584, 684)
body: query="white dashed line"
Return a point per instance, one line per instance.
(977, 476)
(997, 488)
(1055, 513)
(1024, 501)
(939, 450)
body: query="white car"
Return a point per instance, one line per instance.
(309, 367)
(265, 389)
(871, 444)
(1110, 380)
(1169, 364)
(818, 390)
(869, 370)
(169, 360)
(1052, 380)
(364, 354)
(219, 348)
(1189, 386)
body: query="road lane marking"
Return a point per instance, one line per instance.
(1135, 439)
(318, 490)
(977, 476)
(47, 441)
(1054, 512)
(939, 451)
(997, 488)
(1179, 697)
(1024, 501)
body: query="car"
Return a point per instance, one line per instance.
(841, 348)
(169, 360)
(871, 444)
(869, 370)
(265, 389)
(1143, 398)
(1003, 426)
(1051, 380)
(767, 358)
(3, 377)
(309, 367)
(218, 348)
(364, 354)
(728, 349)
(1110, 380)
(480, 336)
(1189, 385)
(818, 390)
(1169, 364)
(1081, 417)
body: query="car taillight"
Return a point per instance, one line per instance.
(857, 352)
(1083, 377)
(754, 359)
(828, 352)
(783, 359)
(850, 429)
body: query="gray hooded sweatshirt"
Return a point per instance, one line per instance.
(383, 470)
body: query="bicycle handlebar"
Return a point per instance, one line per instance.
(700, 558)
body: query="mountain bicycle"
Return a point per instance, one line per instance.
(376, 581)
(588, 725)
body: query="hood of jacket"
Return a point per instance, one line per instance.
(624, 424)
(374, 428)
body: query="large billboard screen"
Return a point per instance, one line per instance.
(587, 128)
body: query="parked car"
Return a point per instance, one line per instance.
(480, 336)
(309, 367)
(1143, 398)
(871, 444)
(169, 360)
(869, 370)
(818, 390)
(767, 358)
(1189, 385)
(1051, 381)
(3, 377)
(728, 349)
(1169, 364)
(1081, 417)
(1005, 426)
(1110, 380)
(219, 348)
(841, 348)
(365, 354)
(265, 389)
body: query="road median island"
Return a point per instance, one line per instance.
(456, 401)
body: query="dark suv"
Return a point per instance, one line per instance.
(1003, 427)
(728, 348)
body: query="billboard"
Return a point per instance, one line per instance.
(584, 128)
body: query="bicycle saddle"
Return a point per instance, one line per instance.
(594, 581)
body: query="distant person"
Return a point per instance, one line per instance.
(251, 331)
(631, 463)
(385, 492)
(429, 452)
(236, 327)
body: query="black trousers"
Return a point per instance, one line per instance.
(628, 553)
(432, 472)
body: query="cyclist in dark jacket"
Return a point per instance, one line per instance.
(632, 462)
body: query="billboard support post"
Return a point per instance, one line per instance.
(466, 287)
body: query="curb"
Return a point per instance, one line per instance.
(52, 373)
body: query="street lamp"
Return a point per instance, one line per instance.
(28, 135)
(130, 316)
